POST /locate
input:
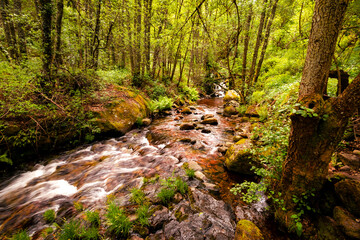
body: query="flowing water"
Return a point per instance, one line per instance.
(91, 173)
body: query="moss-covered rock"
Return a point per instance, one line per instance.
(349, 193)
(247, 230)
(119, 115)
(239, 158)
(230, 110)
(328, 229)
(252, 111)
(231, 95)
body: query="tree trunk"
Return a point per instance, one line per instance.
(266, 41)
(96, 38)
(46, 16)
(20, 29)
(313, 139)
(257, 44)
(58, 26)
(8, 29)
(246, 47)
(137, 41)
(147, 23)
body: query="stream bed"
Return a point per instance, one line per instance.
(92, 173)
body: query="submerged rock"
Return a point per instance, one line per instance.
(206, 116)
(186, 110)
(246, 230)
(239, 158)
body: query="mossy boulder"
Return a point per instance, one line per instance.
(247, 230)
(252, 111)
(347, 222)
(230, 110)
(231, 95)
(349, 193)
(120, 114)
(239, 158)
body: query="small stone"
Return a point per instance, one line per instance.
(186, 110)
(211, 121)
(206, 131)
(167, 113)
(185, 140)
(187, 126)
(357, 152)
(146, 121)
(345, 168)
(192, 108)
(200, 175)
(206, 116)
(237, 138)
(222, 150)
(194, 165)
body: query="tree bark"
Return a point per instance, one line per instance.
(96, 38)
(46, 17)
(58, 26)
(137, 40)
(246, 47)
(257, 44)
(313, 139)
(8, 29)
(20, 29)
(147, 23)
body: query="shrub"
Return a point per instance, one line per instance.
(181, 186)
(137, 196)
(93, 218)
(263, 112)
(117, 76)
(164, 103)
(158, 91)
(119, 224)
(22, 235)
(49, 216)
(242, 109)
(90, 234)
(143, 215)
(191, 93)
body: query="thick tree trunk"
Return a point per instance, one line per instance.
(314, 139)
(246, 47)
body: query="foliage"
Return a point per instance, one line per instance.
(164, 103)
(166, 195)
(93, 218)
(49, 216)
(253, 191)
(158, 91)
(190, 173)
(119, 224)
(4, 158)
(137, 196)
(115, 76)
(71, 230)
(79, 206)
(143, 215)
(191, 93)
(22, 235)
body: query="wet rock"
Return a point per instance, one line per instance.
(187, 126)
(200, 175)
(192, 108)
(351, 160)
(194, 165)
(231, 95)
(200, 128)
(347, 222)
(222, 150)
(230, 110)
(211, 121)
(328, 229)
(187, 140)
(146, 121)
(167, 113)
(349, 193)
(246, 230)
(252, 111)
(345, 168)
(206, 116)
(135, 237)
(239, 159)
(230, 130)
(186, 110)
(237, 138)
(211, 187)
(356, 152)
(206, 131)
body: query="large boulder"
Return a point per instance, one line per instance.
(247, 230)
(239, 158)
(230, 110)
(120, 114)
(349, 193)
(231, 95)
(347, 222)
(328, 229)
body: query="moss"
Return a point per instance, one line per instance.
(180, 216)
(246, 230)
